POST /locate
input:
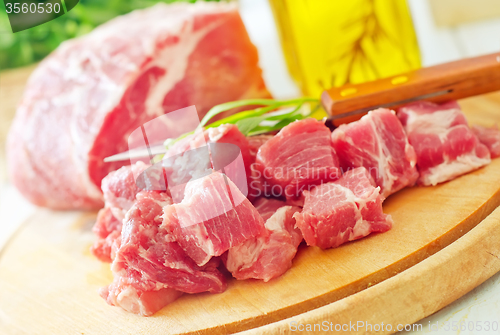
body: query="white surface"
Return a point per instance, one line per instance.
(437, 46)
(14, 210)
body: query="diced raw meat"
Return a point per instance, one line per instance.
(150, 261)
(270, 255)
(341, 211)
(213, 217)
(83, 101)
(257, 185)
(119, 188)
(108, 232)
(138, 296)
(446, 147)
(196, 156)
(108, 228)
(120, 193)
(299, 156)
(378, 142)
(490, 137)
(255, 142)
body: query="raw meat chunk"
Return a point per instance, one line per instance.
(223, 148)
(138, 296)
(120, 193)
(88, 96)
(269, 255)
(257, 185)
(490, 137)
(255, 142)
(119, 188)
(213, 217)
(108, 228)
(108, 232)
(149, 266)
(446, 147)
(378, 142)
(341, 211)
(299, 156)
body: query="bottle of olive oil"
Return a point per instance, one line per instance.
(334, 42)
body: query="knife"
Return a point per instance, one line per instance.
(449, 81)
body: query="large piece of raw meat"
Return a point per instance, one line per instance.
(83, 101)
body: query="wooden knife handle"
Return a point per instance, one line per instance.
(460, 79)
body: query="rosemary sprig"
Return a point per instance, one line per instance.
(270, 104)
(269, 116)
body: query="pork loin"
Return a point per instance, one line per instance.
(83, 100)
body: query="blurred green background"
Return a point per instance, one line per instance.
(33, 44)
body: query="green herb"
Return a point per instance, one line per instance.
(270, 104)
(271, 115)
(31, 45)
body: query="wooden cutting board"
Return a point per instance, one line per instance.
(49, 279)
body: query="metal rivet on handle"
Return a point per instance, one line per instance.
(348, 91)
(399, 80)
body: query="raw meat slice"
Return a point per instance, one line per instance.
(445, 146)
(378, 142)
(270, 255)
(213, 217)
(341, 211)
(490, 137)
(299, 156)
(149, 261)
(83, 100)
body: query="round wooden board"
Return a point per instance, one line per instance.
(49, 279)
(48, 276)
